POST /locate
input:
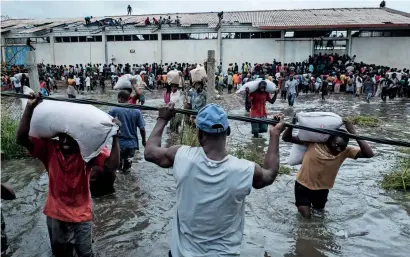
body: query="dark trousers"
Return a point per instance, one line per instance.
(283, 94)
(70, 239)
(18, 90)
(126, 155)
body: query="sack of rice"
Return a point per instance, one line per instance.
(322, 120)
(123, 83)
(19, 76)
(173, 77)
(296, 154)
(198, 74)
(90, 127)
(253, 86)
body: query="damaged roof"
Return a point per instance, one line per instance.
(270, 19)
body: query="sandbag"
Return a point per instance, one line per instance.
(323, 120)
(198, 74)
(297, 152)
(253, 86)
(90, 127)
(173, 77)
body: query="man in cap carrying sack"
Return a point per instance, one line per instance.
(211, 185)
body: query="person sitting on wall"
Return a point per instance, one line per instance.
(168, 21)
(178, 21)
(147, 22)
(155, 21)
(28, 43)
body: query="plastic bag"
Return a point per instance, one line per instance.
(323, 120)
(297, 152)
(90, 127)
(253, 86)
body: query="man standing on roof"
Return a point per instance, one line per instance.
(129, 10)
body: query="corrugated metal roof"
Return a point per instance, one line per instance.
(271, 19)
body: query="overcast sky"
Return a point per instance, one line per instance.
(75, 9)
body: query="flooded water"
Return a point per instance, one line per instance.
(360, 218)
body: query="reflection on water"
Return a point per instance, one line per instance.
(360, 219)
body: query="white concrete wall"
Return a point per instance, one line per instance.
(297, 51)
(390, 51)
(43, 53)
(145, 52)
(79, 53)
(249, 50)
(190, 51)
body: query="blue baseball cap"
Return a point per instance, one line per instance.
(210, 119)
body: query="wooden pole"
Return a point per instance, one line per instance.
(33, 71)
(210, 66)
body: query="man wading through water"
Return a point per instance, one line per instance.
(211, 185)
(320, 166)
(68, 204)
(131, 120)
(258, 109)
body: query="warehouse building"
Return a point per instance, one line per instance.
(375, 35)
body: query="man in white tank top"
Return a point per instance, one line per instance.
(211, 185)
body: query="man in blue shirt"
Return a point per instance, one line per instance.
(131, 119)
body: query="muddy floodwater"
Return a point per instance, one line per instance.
(360, 218)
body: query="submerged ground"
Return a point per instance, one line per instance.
(360, 219)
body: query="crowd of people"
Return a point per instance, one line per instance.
(221, 181)
(322, 74)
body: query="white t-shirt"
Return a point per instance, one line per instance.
(112, 68)
(16, 82)
(77, 81)
(176, 99)
(101, 68)
(87, 82)
(358, 83)
(165, 68)
(210, 203)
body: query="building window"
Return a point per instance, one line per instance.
(153, 37)
(119, 38)
(245, 35)
(90, 39)
(127, 38)
(41, 40)
(58, 40)
(289, 34)
(213, 36)
(82, 39)
(174, 36)
(66, 39)
(74, 39)
(98, 38)
(166, 36)
(110, 38)
(255, 35)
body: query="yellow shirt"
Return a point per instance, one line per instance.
(320, 167)
(71, 81)
(270, 78)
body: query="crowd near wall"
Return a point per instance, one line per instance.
(390, 51)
